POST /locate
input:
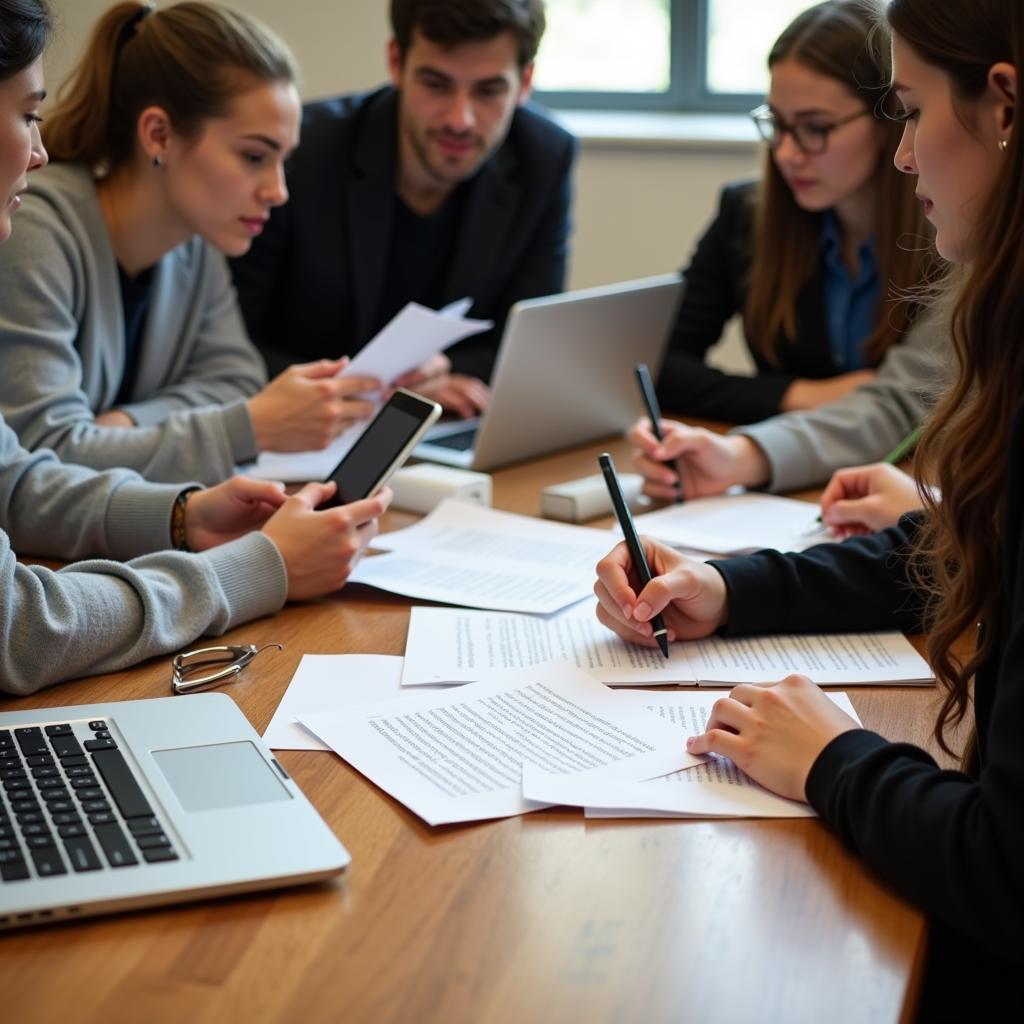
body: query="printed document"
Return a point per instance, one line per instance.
(458, 755)
(736, 523)
(326, 682)
(481, 558)
(408, 340)
(447, 645)
(714, 788)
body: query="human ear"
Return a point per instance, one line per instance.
(1002, 87)
(525, 83)
(154, 133)
(394, 63)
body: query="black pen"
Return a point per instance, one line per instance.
(643, 378)
(636, 549)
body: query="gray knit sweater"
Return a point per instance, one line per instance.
(63, 344)
(99, 616)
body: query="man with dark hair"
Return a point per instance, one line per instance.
(439, 186)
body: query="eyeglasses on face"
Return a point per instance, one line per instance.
(811, 137)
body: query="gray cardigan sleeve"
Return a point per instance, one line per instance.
(805, 448)
(99, 616)
(62, 335)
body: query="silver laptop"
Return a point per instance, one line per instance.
(564, 373)
(108, 807)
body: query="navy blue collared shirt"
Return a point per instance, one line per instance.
(851, 301)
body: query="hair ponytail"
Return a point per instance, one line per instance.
(191, 59)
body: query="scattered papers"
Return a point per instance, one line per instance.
(480, 558)
(735, 523)
(407, 341)
(457, 755)
(327, 682)
(446, 645)
(715, 788)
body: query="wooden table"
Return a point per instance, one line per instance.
(545, 917)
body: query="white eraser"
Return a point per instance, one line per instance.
(419, 488)
(586, 498)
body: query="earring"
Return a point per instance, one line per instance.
(1004, 144)
(158, 161)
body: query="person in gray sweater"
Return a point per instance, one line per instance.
(251, 547)
(122, 339)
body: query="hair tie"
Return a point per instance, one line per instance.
(133, 23)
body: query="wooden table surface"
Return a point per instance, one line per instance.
(544, 917)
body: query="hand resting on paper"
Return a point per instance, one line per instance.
(773, 733)
(690, 595)
(454, 392)
(864, 499)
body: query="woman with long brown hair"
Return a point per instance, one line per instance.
(811, 256)
(952, 842)
(122, 335)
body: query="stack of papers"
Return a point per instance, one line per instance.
(735, 524)
(716, 788)
(480, 558)
(446, 645)
(407, 341)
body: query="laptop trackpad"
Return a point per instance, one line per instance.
(220, 775)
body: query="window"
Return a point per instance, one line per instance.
(659, 54)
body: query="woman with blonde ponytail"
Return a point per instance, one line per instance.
(123, 339)
(952, 842)
(243, 547)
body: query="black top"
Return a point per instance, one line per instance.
(312, 285)
(135, 295)
(716, 289)
(421, 249)
(951, 843)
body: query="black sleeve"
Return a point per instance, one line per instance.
(861, 584)
(714, 293)
(540, 272)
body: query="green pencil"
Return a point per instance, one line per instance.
(905, 447)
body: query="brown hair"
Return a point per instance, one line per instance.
(837, 39)
(192, 59)
(25, 29)
(958, 553)
(452, 22)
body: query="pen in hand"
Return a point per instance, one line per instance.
(636, 550)
(643, 378)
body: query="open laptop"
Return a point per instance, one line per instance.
(109, 807)
(564, 373)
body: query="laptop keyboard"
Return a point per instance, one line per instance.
(460, 441)
(71, 803)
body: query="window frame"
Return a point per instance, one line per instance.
(687, 91)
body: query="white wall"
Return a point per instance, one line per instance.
(637, 210)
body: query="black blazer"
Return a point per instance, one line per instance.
(716, 289)
(311, 285)
(951, 843)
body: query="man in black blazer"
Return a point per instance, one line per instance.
(440, 186)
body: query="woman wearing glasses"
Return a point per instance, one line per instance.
(811, 257)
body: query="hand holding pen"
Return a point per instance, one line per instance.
(650, 399)
(636, 550)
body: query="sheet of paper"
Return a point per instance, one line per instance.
(735, 523)
(715, 788)
(408, 340)
(480, 558)
(446, 645)
(327, 682)
(458, 755)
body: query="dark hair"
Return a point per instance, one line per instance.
(25, 29)
(838, 39)
(959, 551)
(451, 22)
(192, 59)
